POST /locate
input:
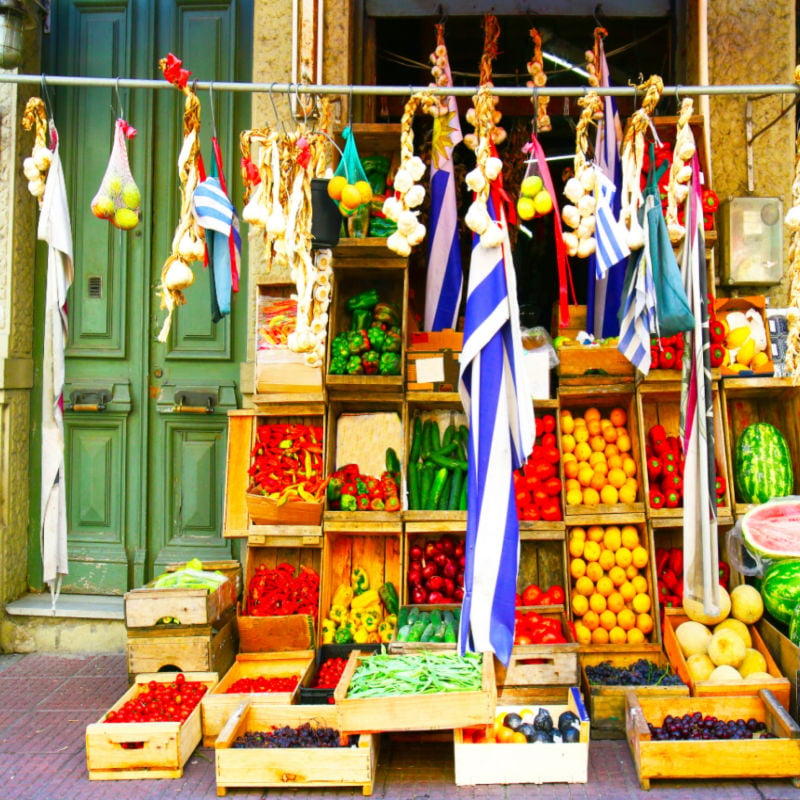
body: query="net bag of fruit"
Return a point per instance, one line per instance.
(118, 197)
(350, 187)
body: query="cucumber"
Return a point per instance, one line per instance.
(403, 633)
(415, 634)
(426, 484)
(413, 615)
(436, 443)
(462, 498)
(392, 461)
(449, 434)
(445, 496)
(436, 617)
(448, 616)
(450, 633)
(416, 441)
(446, 461)
(455, 489)
(427, 428)
(440, 632)
(402, 616)
(413, 485)
(437, 488)
(427, 634)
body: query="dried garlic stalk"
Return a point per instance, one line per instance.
(538, 80)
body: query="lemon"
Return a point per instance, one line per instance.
(365, 190)
(526, 208)
(104, 208)
(531, 186)
(543, 203)
(351, 197)
(126, 219)
(335, 186)
(737, 337)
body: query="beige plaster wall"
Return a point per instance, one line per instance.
(749, 43)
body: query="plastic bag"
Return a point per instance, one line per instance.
(118, 197)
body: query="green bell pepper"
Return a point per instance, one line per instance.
(362, 319)
(334, 491)
(387, 312)
(389, 364)
(376, 337)
(354, 366)
(370, 361)
(338, 365)
(392, 342)
(343, 636)
(367, 299)
(339, 346)
(357, 342)
(348, 502)
(359, 580)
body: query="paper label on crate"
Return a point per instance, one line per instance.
(430, 370)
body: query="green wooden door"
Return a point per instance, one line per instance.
(145, 455)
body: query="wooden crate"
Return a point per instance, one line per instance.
(232, 568)
(578, 400)
(163, 748)
(543, 561)
(441, 411)
(786, 655)
(278, 371)
(778, 685)
(147, 605)
(661, 404)
(647, 572)
(722, 307)
(488, 763)
(714, 758)
(219, 703)
(259, 634)
(432, 361)
(437, 711)
(389, 276)
(377, 552)
(239, 510)
(748, 400)
(307, 767)
(607, 703)
(359, 431)
(541, 664)
(199, 648)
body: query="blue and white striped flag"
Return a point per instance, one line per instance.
(501, 434)
(610, 236)
(445, 278)
(604, 294)
(214, 211)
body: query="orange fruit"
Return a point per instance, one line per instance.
(584, 586)
(571, 468)
(639, 583)
(598, 481)
(577, 533)
(631, 572)
(595, 533)
(575, 547)
(606, 560)
(599, 636)
(351, 197)
(617, 575)
(612, 455)
(604, 586)
(567, 422)
(623, 557)
(624, 442)
(629, 466)
(627, 590)
(611, 538)
(644, 622)
(596, 459)
(580, 433)
(609, 495)
(630, 536)
(616, 477)
(594, 571)
(635, 636)
(582, 634)
(335, 186)
(365, 190)
(577, 568)
(504, 735)
(582, 451)
(597, 443)
(627, 494)
(601, 467)
(597, 603)
(639, 555)
(592, 413)
(591, 551)
(572, 483)
(618, 416)
(585, 475)
(580, 605)
(593, 426)
(519, 738)
(574, 497)
(608, 619)
(591, 619)
(567, 443)
(617, 635)
(626, 619)
(591, 497)
(615, 602)
(641, 603)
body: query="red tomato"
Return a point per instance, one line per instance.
(553, 486)
(557, 594)
(533, 617)
(552, 455)
(549, 423)
(549, 440)
(531, 595)
(545, 600)
(549, 637)
(539, 427)
(523, 639)
(540, 497)
(518, 599)
(545, 470)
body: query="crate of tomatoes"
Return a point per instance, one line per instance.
(537, 484)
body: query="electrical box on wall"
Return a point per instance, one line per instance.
(751, 232)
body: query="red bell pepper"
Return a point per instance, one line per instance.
(716, 330)
(656, 499)
(662, 557)
(676, 560)
(672, 499)
(720, 486)
(666, 358)
(670, 580)
(653, 467)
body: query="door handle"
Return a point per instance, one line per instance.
(187, 402)
(88, 400)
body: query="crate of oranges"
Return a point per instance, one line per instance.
(599, 457)
(611, 585)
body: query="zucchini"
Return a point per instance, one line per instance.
(426, 484)
(450, 633)
(449, 434)
(436, 617)
(440, 632)
(403, 633)
(392, 461)
(445, 496)
(413, 614)
(437, 488)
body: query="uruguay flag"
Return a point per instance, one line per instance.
(501, 433)
(445, 278)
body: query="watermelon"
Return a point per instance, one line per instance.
(762, 464)
(781, 590)
(772, 530)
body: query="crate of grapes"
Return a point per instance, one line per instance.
(292, 746)
(712, 737)
(606, 677)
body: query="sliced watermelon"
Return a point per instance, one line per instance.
(772, 530)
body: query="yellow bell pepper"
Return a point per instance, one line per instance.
(357, 615)
(373, 638)
(368, 598)
(343, 595)
(338, 614)
(376, 610)
(385, 632)
(351, 625)
(371, 622)
(328, 630)
(359, 580)
(391, 619)
(360, 635)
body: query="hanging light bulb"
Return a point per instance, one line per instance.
(13, 20)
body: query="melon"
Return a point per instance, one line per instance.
(770, 530)
(726, 647)
(724, 672)
(759, 677)
(693, 637)
(738, 627)
(754, 661)
(746, 604)
(694, 609)
(762, 464)
(700, 667)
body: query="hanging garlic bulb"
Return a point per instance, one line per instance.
(29, 169)
(179, 274)
(398, 243)
(42, 158)
(477, 218)
(475, 180)
(415, 196)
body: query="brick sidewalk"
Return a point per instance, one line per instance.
(46, 701)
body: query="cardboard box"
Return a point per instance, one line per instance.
(557, 762)
(433, 361)
(136, 750)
